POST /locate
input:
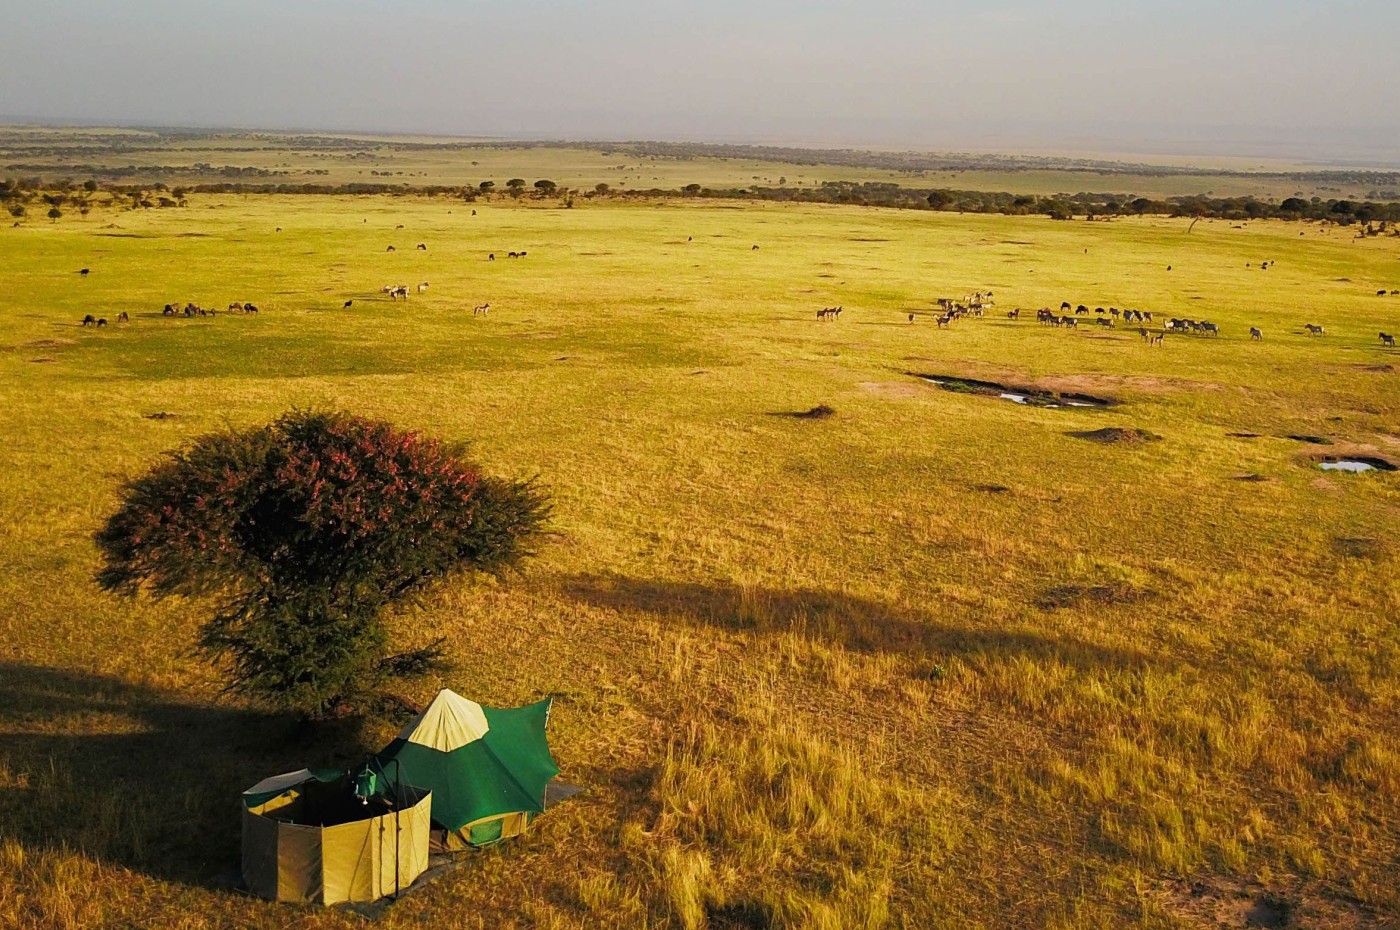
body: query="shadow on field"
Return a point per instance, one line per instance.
(853, 622)
(138, 777)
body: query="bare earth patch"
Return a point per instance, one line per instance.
(890, 388)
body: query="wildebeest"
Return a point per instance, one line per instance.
(512, 255)
(85, 272)
(1014, 314)
(346, 305)
(89, 320)
(911, 318)
(1071, 321)
(828, 313)
(1210, 328)
(1105, 321)
(484, 308)
(755, 248)
(249, 308)
(400, 226)
(1065, 306)
(123, 317)
(423, 287)
(491, 257)
(1256, 334)
(1380, 293)
(1081, 309)
(943, 321)
(1314, 330)
(236, 305)
(1387, 340)
(169, 310)
(101, 321)
(422, 247)
(1157, 339)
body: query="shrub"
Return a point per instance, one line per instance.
(306, 530)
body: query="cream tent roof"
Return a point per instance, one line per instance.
(450, 722)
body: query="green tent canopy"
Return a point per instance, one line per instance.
(487, 768)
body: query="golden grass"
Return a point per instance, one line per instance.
(931, 661)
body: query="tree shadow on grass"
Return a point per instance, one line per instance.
(139, 777)
(857, 623)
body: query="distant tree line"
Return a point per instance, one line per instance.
(15, 193)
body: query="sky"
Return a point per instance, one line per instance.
(1303, 79)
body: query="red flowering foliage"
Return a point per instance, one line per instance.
(323, 516)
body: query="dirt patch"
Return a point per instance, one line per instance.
(160, 415)
(1116, 435)
(1358, 547)
(1311, 440)
(1250, 477)
(1072, 595)
(1147, 384)
(1380, 368)
(42, 360)
(48, 344)
(991, 488)
(1219, 902)
(1243, 435)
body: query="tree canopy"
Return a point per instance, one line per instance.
(305, 530)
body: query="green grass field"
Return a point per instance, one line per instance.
(930, 662)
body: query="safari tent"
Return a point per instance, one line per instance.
(486, 767)
(308, 837)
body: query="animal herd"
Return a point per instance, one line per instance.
(974, 305)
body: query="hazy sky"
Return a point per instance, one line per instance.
(1312, 78)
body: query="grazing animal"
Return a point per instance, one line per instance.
(1256, 334)
(1142, 331)
(389, 249)
(123, 318)
(89, 319)
(235, 306)
(1387, 340)
(1380, 293)
(249, 308)
(1100, 311)
(1071, 321)
(473, 213)
(944, 321)
(512, 255)
(85, 271)
(169, 310)
(1157, 339)
(1014, 314)
(101, 321)
(911, 318)
(400, 226)
(279, 228)
(1105, 321)
(491, 257)
(755, 248)
(523, 254)
(1169, 267)
(346, 305)
(1210, 328)
(484, 308)
(1065, 306)
(1080, 310)
(1314, 330)
(422, 247)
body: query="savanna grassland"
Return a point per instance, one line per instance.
(932, 661)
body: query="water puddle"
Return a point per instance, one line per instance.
(1356, 465)
(1026, 397)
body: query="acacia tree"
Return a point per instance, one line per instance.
(304, 532)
